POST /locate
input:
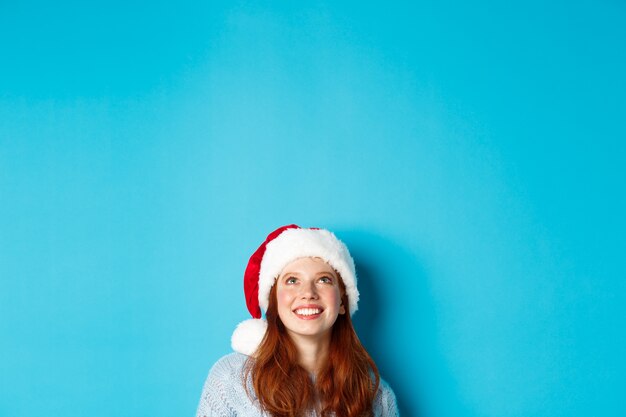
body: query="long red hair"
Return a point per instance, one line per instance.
(345, 386)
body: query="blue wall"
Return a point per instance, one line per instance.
(471, 156)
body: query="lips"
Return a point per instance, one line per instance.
(308, 312)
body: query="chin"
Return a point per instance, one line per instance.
(309, 332)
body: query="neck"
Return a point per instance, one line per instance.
(312, 352)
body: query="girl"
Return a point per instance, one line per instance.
(304, 359)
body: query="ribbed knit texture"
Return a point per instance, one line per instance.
(224, 395)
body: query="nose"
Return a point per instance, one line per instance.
(309, 291)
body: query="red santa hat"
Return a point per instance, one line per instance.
(281, 247)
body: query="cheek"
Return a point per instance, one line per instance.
(333, 296)
(283, 299)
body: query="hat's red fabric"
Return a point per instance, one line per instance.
(251, 275)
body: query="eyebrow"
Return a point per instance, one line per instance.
(334, 274)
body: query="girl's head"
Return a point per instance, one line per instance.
(300, 251)
(308, 297)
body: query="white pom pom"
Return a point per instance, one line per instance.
(248, 335)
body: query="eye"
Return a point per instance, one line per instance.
(291, 280)
(326, 280)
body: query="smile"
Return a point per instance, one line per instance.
(308, 313)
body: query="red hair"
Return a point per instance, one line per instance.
(346, 385)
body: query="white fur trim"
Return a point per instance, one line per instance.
(299, 243)
(248, 336)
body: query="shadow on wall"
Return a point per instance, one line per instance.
(394, 340)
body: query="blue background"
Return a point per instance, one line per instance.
(472, 157)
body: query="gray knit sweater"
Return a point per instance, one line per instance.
(224, 395)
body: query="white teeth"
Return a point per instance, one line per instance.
(308, 311)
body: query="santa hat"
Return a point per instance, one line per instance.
(280, 248)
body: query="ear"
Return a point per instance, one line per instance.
(342, 309)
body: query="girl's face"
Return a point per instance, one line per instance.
(308, 298)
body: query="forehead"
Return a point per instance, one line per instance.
(307, 264)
